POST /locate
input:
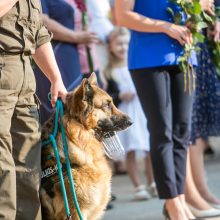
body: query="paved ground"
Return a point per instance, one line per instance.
(127, 209)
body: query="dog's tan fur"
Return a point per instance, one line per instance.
(86, 108)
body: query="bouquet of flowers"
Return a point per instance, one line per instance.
(196, 20)
(81, 5)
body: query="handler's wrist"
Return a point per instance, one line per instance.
(55, 78)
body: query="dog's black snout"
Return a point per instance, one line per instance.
(105, 125)
(128, 122)
(121, 122)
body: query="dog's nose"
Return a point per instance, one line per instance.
(128, 122)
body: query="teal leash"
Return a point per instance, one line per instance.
(52, 139)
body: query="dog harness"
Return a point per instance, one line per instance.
(59, 168)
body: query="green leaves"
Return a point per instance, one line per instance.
(201, 25)
(171, 12)
(198, 37)
(195, 22)
(197, 9)
(208, 19)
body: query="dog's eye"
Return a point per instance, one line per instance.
(107, 105)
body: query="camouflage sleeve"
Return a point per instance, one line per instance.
(43, 35)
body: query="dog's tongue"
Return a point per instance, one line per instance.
(112, 146)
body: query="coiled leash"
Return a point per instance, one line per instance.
(52, 139)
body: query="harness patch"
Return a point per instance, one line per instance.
(49, 171)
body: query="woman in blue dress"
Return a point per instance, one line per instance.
(59, 18)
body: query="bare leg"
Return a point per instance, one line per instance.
(198, 171)
(185, 207)
(175, 209)
(119, 167)
(192, 195)
(149, 170)
(151, 185)
(132, 169)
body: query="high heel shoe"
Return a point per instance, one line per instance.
(165, 213)
(210, 213)
(167, 217)
(215, 206)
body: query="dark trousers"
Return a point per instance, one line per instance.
(168, 111)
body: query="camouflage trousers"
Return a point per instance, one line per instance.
(20, 150)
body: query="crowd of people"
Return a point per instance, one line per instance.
(133, 46)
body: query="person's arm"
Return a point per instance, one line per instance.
(44, 58)
(6, 5)
(65, 34)
(125, 16)
(217, 24)
(208, 6)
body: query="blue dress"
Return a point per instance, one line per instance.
(206, 106)
(66, 55)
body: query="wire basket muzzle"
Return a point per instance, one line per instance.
(112, 146)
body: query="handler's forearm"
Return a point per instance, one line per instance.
(132, 20)
(6, 5)
(45, 59)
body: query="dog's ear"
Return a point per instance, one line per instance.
(93, 79)
(88, 91)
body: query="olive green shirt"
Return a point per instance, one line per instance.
(22, 29)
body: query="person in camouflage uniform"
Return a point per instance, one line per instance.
(22, 37)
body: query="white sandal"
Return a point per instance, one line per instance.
(141, 193)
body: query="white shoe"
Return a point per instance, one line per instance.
(209, 213)
(215, 206)
(152, 190)
(141, 193)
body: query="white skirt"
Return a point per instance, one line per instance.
(136, 137)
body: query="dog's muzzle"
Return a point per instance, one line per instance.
(115, 123)
(112, 146)
(121, 123)
(106, 132)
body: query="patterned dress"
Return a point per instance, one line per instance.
(206, 106)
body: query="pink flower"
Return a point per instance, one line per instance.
(81, 5)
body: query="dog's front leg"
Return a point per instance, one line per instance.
(77, 155)
(47, 207)
(76, 217)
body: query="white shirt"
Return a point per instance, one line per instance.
(100, 24)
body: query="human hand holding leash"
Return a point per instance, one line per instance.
(57, 90)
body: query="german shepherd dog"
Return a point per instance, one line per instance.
(88, 114)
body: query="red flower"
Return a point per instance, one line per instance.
(81, 5)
